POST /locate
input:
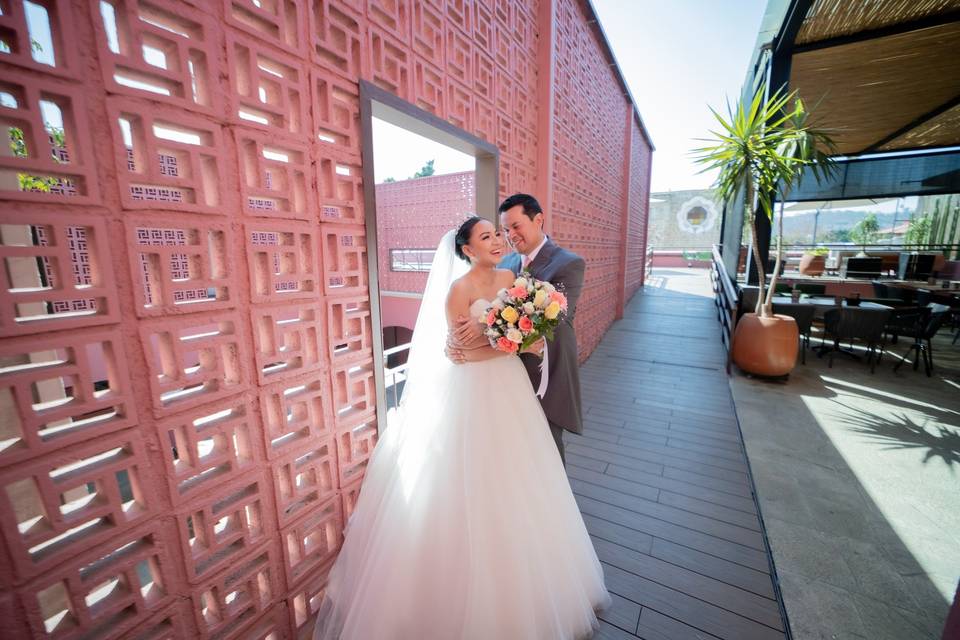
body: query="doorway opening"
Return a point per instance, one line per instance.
(422, 177)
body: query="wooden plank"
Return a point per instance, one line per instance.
(715, 528)
(608, 631)
(711, 510)
(717, 496)
(623, 613)
(746, 578)
(585, 449)
(679, 606)
(721, 594)
(656, 626)
(586, 463)
(625, 487)
(624, 536)
(698, 540)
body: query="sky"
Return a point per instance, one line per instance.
(398, 154)
(679, 57)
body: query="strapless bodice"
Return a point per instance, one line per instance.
(478, 307)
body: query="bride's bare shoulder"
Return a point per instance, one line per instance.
(459, 287)
(505, 275)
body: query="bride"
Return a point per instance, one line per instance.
(466, 526)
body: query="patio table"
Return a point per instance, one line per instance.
(826, 302)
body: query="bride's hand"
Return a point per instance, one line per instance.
(454, 352)
(468, 333)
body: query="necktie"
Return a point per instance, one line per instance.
(525, 263)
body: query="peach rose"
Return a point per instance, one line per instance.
(491, 318)
(506, 345)
(525, 324)
(518, 292)
(560, 299)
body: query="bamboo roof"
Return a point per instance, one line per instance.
(884, 75)
(834, 18)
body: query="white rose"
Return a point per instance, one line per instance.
(514, 335)
(502, 293)
(520, 282)
(498, 304)
(528, 308)
(549, 287)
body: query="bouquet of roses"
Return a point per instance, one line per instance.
(522, 314)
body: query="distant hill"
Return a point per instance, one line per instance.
(802, 223)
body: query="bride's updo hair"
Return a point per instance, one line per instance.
(462, 238)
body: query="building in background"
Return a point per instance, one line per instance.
(684, 220)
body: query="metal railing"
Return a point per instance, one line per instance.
(395, 377)
(726, 298)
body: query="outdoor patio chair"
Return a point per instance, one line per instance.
(803, 314)
(848, 324)
(921, 324)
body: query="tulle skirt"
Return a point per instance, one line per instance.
(466, 526)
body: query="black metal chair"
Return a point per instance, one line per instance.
(924, 297)
(803, 314)
(880, 290)
(921, 324)
(848, 324)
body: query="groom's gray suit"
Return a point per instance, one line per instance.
(561, 404)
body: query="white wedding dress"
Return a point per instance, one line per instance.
(466, 526)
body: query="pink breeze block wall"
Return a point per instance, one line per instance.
(414, 214)
(186, 374)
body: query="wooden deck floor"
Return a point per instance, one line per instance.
(662, 481)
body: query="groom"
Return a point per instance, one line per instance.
(521, 221)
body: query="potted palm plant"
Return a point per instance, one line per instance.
(765, 144)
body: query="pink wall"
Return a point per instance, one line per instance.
(238, 386)
(414, 214)
(399, 311)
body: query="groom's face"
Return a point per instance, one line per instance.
(523, 233)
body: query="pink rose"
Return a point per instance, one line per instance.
(560, 299)
(518, 292)
(491, 317)
(525, 324)
(506, 345)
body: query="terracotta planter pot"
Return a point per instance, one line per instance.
(811, 265)
(766, 346)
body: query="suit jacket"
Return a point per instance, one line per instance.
(564, 269)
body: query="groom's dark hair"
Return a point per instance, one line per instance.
(530, 205)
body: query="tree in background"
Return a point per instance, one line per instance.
(426, 171)
(838, 235)
(389, 179)
(865, 232)
(919, 230)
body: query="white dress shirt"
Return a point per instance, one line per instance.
(530, 257)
